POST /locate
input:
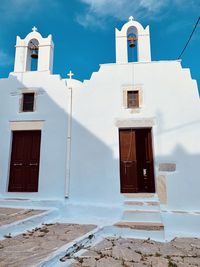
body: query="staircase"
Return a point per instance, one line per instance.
(141, 213)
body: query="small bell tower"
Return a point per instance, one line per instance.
(34, 53)
(133, 32)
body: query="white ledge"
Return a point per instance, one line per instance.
(135, 122)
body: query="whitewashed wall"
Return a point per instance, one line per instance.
(169, 99)
(170, 96)
(51, 107)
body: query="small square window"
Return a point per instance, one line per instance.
(28, 102)
(132, 99)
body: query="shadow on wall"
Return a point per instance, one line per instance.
(94, 171)
(92, 161)
(182, 184)
(161, 129)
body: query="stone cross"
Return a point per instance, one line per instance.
(70, 74)
(131, 18)
(34, 29)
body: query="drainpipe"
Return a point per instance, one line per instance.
(69, 130)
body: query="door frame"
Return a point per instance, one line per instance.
(24, 125)
(153, 154)
(28, 136)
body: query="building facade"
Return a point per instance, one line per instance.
(128, 134)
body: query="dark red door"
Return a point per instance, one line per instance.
(25, 157)
(136, 161)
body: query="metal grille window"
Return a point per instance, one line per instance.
(132, 99)
(28, 102)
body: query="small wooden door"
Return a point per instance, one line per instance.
(25, 157)
(136, 161)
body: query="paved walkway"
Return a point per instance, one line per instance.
(111, 252)
(31, 247)
(28, 249)
(10, 215)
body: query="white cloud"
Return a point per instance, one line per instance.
(5, 59)
(99, 10)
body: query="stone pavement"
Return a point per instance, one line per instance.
(10, 215)
(29, 248)
(32, 247)
(113, 252)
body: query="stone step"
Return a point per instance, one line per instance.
(141, 216)
(144, 230)
(18, 227)
(30, 203)
(147, 226)
(141, 196)
(141, 199)
(139, 205)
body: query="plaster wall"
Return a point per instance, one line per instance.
(170, 96)
(170, 104)
(51, 116)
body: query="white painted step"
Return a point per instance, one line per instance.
(29, 223)
(145, 206)
(125, 231)
(141, 196)
(146, 226)
(30, 203)
(141, 216)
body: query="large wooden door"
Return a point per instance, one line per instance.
(136, 161)
(25, 157)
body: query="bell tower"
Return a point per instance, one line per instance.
(34, 53)
(132, 31)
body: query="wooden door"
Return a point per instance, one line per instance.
(25, 157)
(136, 161)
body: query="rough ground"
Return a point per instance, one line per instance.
(111, 252)
(27, 249)
(10, 215)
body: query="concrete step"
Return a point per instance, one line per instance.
(141, 196)
(29, 223)
(139, 205)
(141, 216)
(147, 226)
(141, 230)
(30, 203)
(141, 199)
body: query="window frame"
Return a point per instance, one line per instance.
(130, 101)
(130, 87)
(25, 109)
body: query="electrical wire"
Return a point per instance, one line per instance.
(189, 38)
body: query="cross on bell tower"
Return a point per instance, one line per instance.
(34, 29)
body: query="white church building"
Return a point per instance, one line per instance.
(126, 141)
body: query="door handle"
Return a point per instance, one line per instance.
(145, 172)
(33, 164)
(17, 164)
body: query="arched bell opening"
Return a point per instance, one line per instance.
(132, 47)
(33, 53)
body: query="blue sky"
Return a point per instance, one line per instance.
(83, 30)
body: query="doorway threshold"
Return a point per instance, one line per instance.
(138, 195)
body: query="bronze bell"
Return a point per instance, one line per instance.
(131, 40)
(34, 53)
